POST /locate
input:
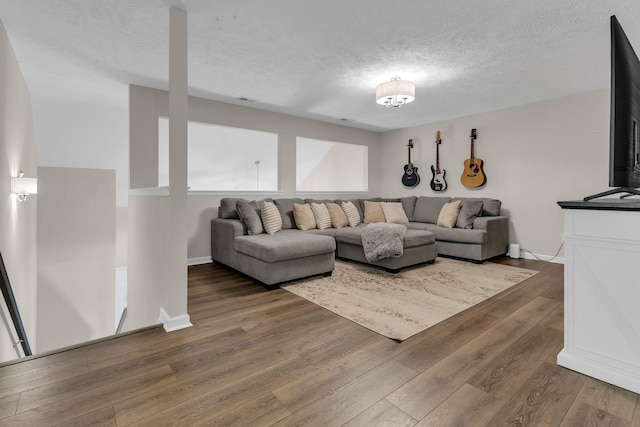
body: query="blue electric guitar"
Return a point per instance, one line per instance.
(410, 177)
(438, 182)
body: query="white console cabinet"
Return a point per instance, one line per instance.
(602, 293)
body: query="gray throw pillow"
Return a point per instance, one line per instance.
(249, 213)
(409, 205)
(491, 207)
(469, 210)
(227, 208)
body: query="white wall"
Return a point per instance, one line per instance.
(76, 255)
(535, 155)
(73, 133)
(17, 220)
(148, 241)
(152, 103)
(76, 134)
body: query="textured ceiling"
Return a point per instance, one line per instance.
(323, 59)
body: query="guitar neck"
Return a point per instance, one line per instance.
(473, 140)
(437, 158)
(472, 149)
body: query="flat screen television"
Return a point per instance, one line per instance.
(624, 142)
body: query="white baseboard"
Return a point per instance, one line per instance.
(122, 271)
(171, 324)
(540, 257)
(120, 294)
(200, 260)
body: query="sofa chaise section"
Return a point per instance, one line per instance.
(487, 236)
(271, 259)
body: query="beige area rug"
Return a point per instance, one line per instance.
(403, 304)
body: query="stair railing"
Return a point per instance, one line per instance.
(14, 312)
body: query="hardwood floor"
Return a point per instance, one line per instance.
(272, 358)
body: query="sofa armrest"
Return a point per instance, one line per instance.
(223, 232)
(497, 228)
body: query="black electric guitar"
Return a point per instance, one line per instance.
(410, 177)
(438, 182)
(473, 174)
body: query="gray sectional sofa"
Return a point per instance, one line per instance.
(480, 233)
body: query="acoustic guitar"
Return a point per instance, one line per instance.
(410, 177)
(473, 175)
(438, 182)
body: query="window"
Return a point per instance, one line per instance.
(222, 158)
(331, 166)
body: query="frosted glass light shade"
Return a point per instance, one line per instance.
(395, 93)
(24, 186)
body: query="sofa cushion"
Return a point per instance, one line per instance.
(285, 206)
(351, 212)
(310, 201)
(412, 238)
(284, 245)
(469, 211)
(357, 203)
(338, 217)
(449, 214)
(490, 207)
(228, 209)
(415, 238)
(249, 213)
(394, 212)
(458, 235)
(350, 235)
(428, 208)
(409, 205)
(324, 232)
(303, 216)
(373, 212)
(271, 219)
(418, 226)
(321, 215)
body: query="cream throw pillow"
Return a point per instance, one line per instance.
(449, 214)
(394, 212)
(271, 219)
(373, 212)
(321, 215)
(303, 215)
(338, 217)
(350, 210)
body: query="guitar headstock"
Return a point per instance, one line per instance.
(410, 144)
(473, 134)
(438, 140)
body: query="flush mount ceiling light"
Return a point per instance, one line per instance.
(395, 93)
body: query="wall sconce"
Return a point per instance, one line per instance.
(22, 186)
